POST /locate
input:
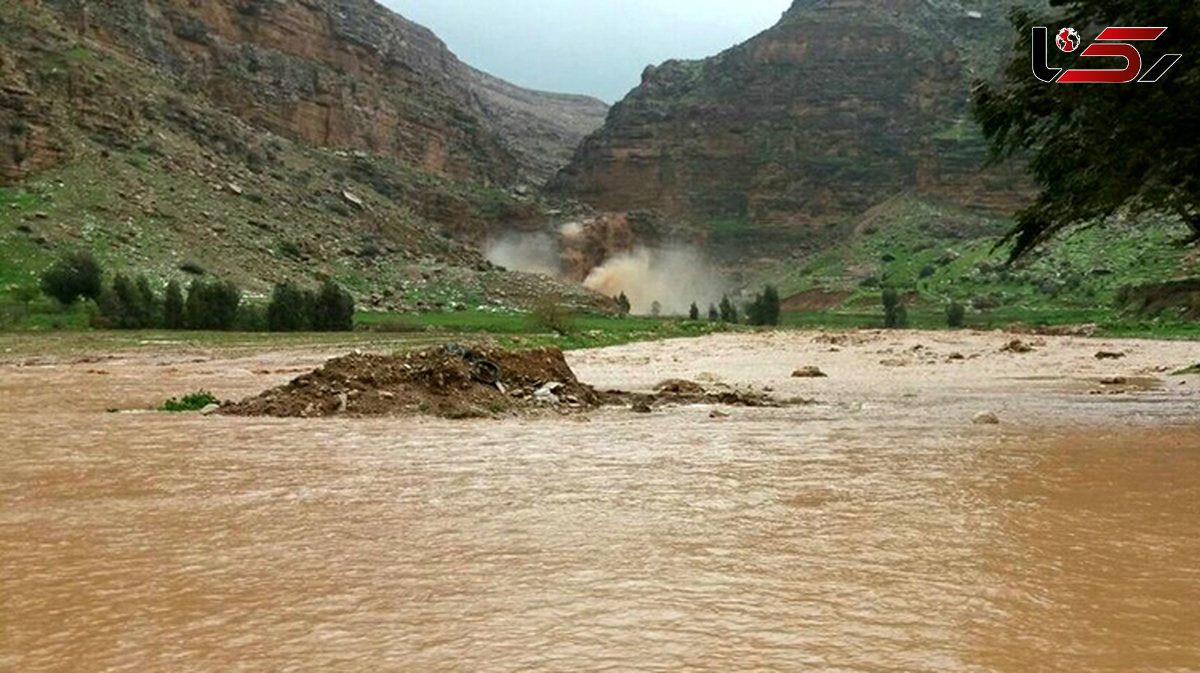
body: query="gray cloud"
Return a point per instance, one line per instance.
(587, 46)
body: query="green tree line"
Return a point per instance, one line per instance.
(206, 304)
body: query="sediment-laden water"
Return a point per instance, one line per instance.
(869, 533)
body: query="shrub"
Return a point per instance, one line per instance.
(956, 315)
(290, 249)
(76, 275)
(551, 313)
(694, 312)
(192, 267)
(193, 402)
(25, 295)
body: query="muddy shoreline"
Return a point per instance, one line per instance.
(941, 379)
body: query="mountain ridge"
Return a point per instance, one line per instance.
(263, 141)
(839, 106)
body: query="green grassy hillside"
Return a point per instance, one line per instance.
(935, 255)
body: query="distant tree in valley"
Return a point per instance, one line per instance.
(728, 311)
(211, 305)
(1096, 151)
(895, 315)
(623, 304)
(956, 315)
(151, 315)
(713, 314)
(765, 309)
(77, 275)
(655, 309)
(333, 310)
(694, 312)
(173, 306)
(127, 305)
(289, 310)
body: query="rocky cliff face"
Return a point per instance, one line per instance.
(265, 140)
(841, 105)
(543, 129)
(345, 74)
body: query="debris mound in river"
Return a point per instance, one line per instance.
(450, 381)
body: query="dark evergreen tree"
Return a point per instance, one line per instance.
(623, 304)
(334, 309)
(728, 311)
(211, 305)
(128, 306)
(290, 310)
(765, 308)
(173, 306)
(771, 306)
(109, 309)
(891, 308)
(694, 312)
(713, 314)
(956, 315)
(151, 308)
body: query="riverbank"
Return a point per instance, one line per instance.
(877, 378)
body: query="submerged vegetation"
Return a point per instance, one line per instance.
(196, 401)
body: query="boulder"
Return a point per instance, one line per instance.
(986, 418)
(809, 372)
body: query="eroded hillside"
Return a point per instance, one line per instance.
(264, 140)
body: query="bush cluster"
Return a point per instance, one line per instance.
(76, 276)
(331, 309)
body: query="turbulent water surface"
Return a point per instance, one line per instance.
(793, 539)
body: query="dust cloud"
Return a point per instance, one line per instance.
(604, 255)
(531, 253)
(673, 277)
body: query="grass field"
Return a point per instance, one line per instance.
(384, 331)
(1107, 322)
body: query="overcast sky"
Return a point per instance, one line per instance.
(596, 47)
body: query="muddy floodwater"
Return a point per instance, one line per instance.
(876, 529)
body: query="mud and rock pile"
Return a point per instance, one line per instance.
(673, 392)
(451, 381)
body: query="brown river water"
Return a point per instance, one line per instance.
(877, 530)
